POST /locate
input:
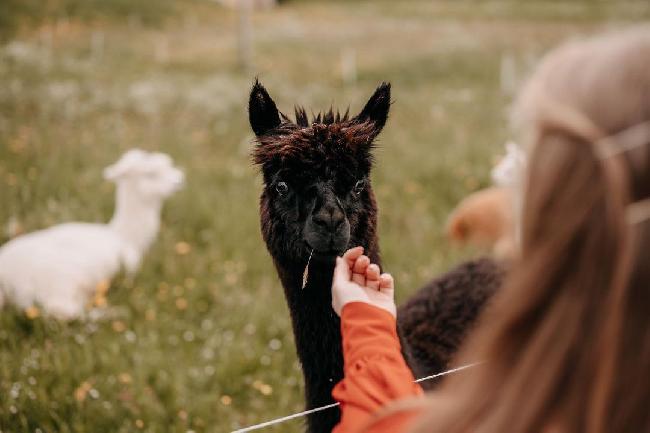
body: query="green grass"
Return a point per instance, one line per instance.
(202, 341)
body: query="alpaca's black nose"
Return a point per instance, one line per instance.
(329, 220)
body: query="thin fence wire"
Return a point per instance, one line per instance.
(329, 406)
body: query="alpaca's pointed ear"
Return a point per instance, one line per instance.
(377, 107)
(125, 165)
(262, 111)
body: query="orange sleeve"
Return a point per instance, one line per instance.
(375, 372)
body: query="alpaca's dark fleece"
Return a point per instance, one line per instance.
(317, 159)
(433, 323)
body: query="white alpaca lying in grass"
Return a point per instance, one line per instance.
(60, 268)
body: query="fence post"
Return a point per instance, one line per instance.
(245, 48)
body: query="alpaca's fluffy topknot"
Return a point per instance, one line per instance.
(318, 142)
(330, 136)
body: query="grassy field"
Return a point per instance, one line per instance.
(200, 340)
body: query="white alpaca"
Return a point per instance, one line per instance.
(508, 172)
(59, 268)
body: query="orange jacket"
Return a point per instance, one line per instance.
(375, 372)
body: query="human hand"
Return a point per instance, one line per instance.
(358, 280)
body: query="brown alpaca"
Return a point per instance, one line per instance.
(317, 201)
(485, 219)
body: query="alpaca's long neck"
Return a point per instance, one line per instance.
(317, 334)
(135, 220)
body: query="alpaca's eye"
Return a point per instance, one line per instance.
(282, 188)
(359, 186)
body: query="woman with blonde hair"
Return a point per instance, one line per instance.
(565, 345)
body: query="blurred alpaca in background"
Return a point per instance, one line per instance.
(60, 268)
(485, 218)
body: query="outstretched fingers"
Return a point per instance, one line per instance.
(342, 271)
(386, 282)
(351, 255)
(359, 270)
(356, 267)
(347, 261)
(372, 277)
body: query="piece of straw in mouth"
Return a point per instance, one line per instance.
(305, 275)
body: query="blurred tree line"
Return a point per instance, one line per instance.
(16, 15)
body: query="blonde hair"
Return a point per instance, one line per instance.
(567, 339)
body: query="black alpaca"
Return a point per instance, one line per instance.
(318, 201)
(434, 321)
